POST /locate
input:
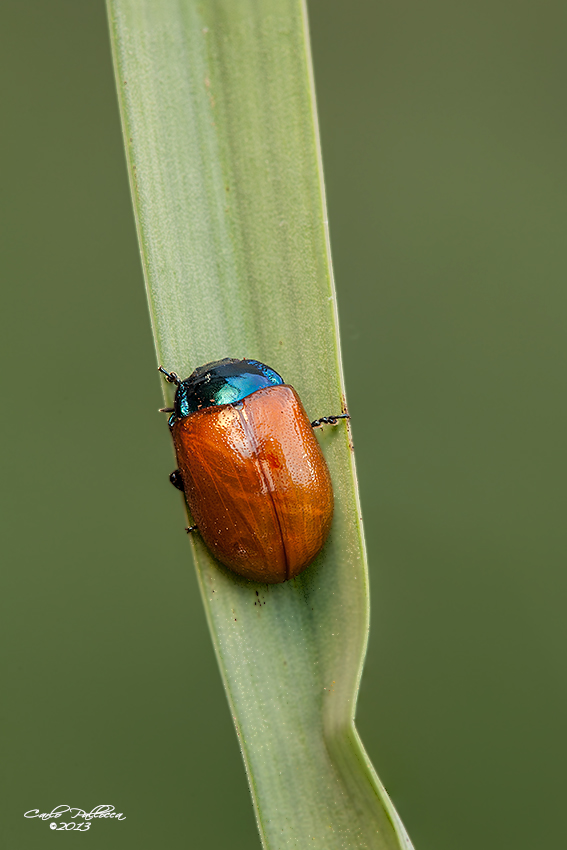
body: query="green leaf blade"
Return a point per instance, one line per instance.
(220, 128)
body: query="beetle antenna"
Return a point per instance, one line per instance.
(170, 377)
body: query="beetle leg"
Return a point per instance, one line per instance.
(176, 480)
(191, 528)
(329, 420)
(167, 410)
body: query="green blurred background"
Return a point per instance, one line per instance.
(444, 131)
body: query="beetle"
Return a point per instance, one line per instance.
(253, 474)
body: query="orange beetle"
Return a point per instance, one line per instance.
(253, 474)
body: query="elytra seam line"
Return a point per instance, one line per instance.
(269, 486)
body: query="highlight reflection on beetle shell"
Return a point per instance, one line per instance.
(256, 483)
